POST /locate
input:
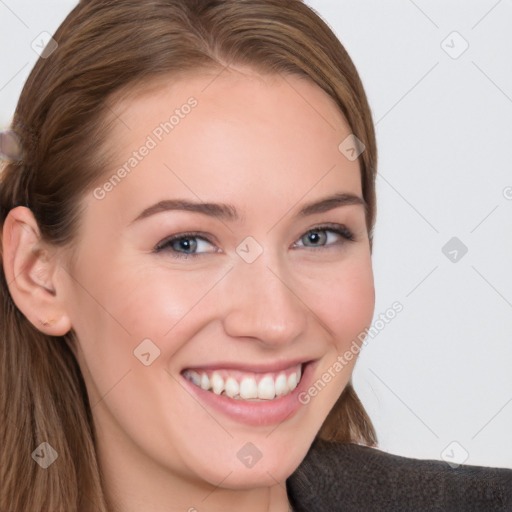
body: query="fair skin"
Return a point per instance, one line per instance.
(268, 149)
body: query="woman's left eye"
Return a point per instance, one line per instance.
(319, 237)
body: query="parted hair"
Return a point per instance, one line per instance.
(106, 49)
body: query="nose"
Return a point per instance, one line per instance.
(261, 302)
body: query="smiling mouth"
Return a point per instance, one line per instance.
(244, 385)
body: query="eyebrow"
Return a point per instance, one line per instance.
(229, 213)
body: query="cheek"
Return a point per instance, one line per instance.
(149, 300)
(164, 303)
(345, 302)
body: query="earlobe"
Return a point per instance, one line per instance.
(29, 267)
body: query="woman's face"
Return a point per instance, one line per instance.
(243, 302)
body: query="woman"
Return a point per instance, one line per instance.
(187, 215)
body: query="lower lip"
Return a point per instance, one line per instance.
(256, 414)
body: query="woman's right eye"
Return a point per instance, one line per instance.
(179, 245)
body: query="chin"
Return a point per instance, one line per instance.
(245, 479)
(267, 471)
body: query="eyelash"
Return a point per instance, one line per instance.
(166, 244)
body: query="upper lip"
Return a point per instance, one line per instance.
(274, 366)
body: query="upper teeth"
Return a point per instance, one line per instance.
(247, 385)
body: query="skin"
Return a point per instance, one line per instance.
(267, 145)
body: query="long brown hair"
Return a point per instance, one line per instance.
(63, 117)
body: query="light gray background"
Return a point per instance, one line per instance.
(437, 379)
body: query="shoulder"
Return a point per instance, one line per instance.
(350, 477)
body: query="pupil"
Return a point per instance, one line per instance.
(315, 237)
(186, 244)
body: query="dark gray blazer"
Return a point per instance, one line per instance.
(345, 477)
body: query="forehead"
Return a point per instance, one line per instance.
(229, 135)
(237, 99)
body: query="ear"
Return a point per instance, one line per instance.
(30, 267)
